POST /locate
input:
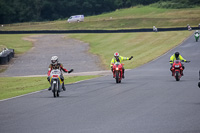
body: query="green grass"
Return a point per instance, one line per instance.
(15, 41)
(143, 46)
(15, 86)
(135, 17)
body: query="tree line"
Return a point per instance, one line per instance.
(13, 11)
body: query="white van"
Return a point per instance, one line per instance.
(76, 18)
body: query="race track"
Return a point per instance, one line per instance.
(148, 100)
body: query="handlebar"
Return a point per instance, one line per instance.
(182, 61)
(187, 61)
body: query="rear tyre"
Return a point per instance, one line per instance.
(177, 76)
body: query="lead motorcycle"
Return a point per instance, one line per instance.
(56, 82)
(196, 35)
(117, 71)
(177, 69)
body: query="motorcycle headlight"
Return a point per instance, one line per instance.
(117, 68)
(176, 66)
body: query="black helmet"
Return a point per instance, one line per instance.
(177, 54)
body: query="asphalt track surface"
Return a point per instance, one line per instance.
(148, 100)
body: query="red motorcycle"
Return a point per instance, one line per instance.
(117, 71)
(177, 69)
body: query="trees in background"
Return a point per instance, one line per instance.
(12, 11)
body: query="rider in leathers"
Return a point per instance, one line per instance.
(174, 57)
(55, 65)
(118, 58)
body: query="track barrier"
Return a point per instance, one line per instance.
(6, 55)
(96, 31)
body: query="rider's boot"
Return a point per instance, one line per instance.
(171, 70)
(63, 86)
(49, 88)
(181, 73)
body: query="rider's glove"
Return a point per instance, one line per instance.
(130, 57)
(70, 70)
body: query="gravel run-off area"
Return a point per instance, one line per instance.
(73, 54)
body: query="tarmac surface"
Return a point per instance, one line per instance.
(148, 100)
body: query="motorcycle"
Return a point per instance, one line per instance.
(177, 69)
(196, 37)
(117, 71)
(56, 82)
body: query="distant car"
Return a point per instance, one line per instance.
(76, 18)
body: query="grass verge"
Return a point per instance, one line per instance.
(143, 46)
(15, 86)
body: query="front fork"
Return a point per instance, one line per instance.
(174, 70)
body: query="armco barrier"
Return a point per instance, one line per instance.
(96, 31)
(6, 56)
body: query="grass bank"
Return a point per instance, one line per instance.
(15, 41)
(15, 86)
(143, 46)
(135, 18)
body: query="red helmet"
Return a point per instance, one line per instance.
(116, 54)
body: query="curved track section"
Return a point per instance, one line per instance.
(148, 100)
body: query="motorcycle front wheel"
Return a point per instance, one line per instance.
(177, 76)
(54, 90)
(57, 89)
(117, 77)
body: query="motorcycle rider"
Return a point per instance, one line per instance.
(55, 65)
(176, 56)
(155, 29)
(118, 58)
(196, 32)
(189, 27)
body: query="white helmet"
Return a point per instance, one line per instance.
(197, 31)
(116, 54)
(54, 59)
